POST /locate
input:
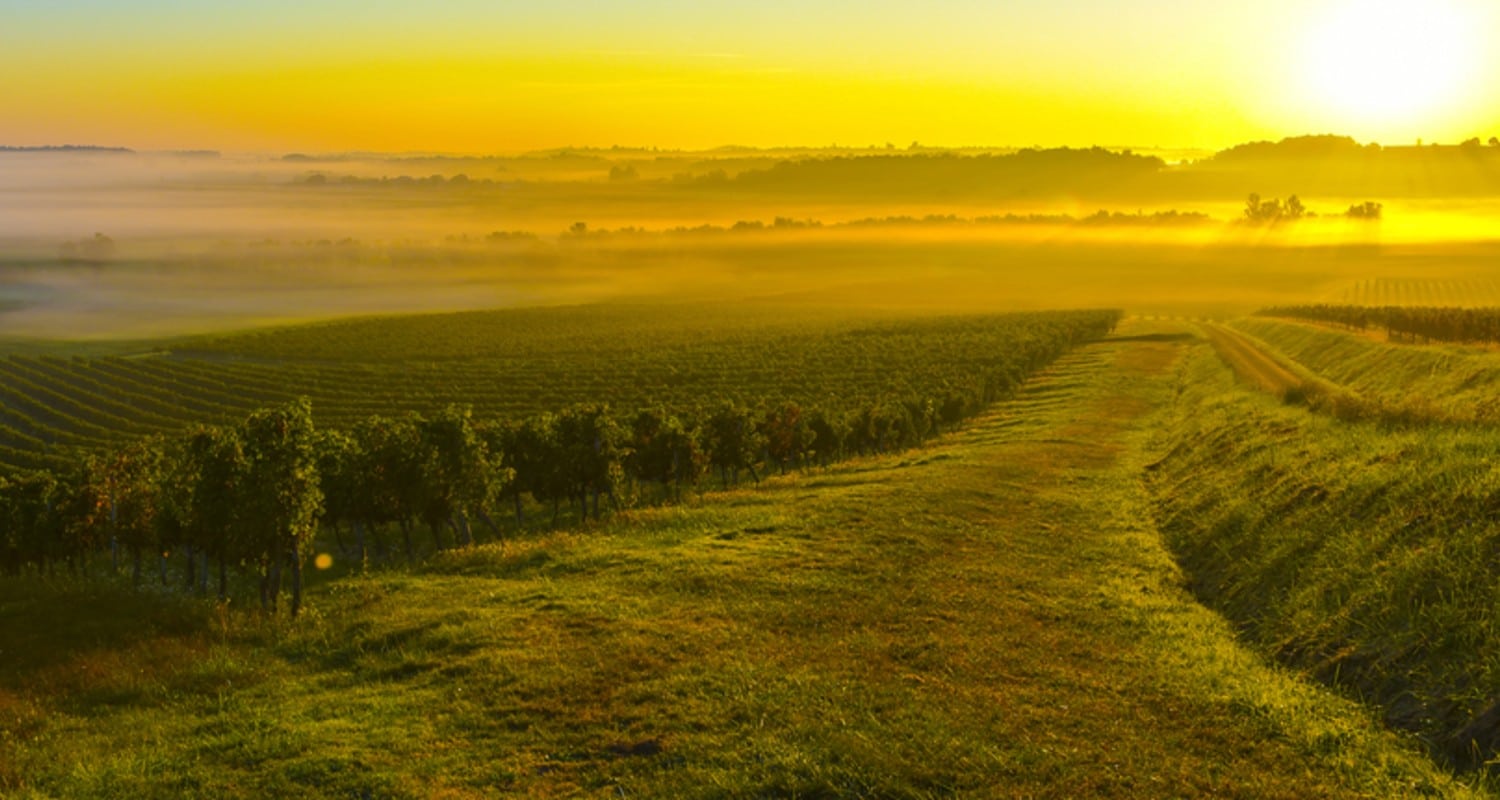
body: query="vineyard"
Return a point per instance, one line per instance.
(1405, 323)
(508, 364)
(383, 446)
(1419, 292)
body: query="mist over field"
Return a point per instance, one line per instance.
(712, 400)
(103, 243)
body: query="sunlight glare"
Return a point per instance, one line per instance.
(1390, 59)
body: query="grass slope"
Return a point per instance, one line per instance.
(1360, 552)
(1443, 382)
(1251, 363)
(991, 616)
(1260, 366)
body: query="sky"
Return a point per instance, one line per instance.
(500, 77)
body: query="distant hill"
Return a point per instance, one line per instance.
(65, 148)
(1030, 172)
(1317, 146)
(1339, 166)
(1316, 165)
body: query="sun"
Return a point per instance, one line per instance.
(1390, 60)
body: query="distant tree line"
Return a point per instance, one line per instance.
(1404, 323)
(399, 182)
(1101, 218)
(1312, 165)
(1028, 172)
(1326, 147)
(248, 499)
(67, 148)
(1263, 211)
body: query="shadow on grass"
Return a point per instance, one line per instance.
(44, 623)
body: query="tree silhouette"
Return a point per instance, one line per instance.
(1273, 210)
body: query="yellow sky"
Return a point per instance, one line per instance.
(466, 76)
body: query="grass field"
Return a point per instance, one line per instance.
(993, 615)
(1445, 382)
(1360, 552)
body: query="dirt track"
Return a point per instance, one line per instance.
(1250, 362)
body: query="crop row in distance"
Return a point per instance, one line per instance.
(52, 406)
(255, 494)
(1420, 292)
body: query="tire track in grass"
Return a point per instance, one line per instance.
(1250, 361)
(1252, 364)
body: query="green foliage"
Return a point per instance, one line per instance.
(786, 434)
(456, 471)
(214, 466)
(281, 488)
(591, 447)
(339, 477)
(133, 479)
(33, 533)
(386, 469)
(530, 454)
(1361, 553)
(665, 450)
(733, 442)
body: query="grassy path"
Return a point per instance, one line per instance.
(1439, 383)
(1254, 363)
(993, 616)
(1251, 363)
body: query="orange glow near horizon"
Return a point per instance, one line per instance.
(488, 105)
(331, 75)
